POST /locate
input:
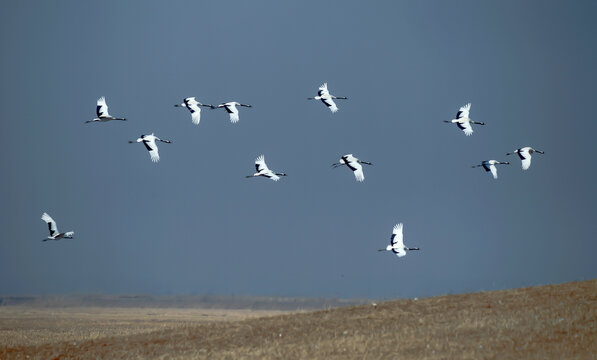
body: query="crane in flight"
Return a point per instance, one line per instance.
(102, 112)
(353, 164)
(463, 121)
(54, 233)
(262, 170)
(194, 107)
(397, 243)
(150, 145)
(328, 99)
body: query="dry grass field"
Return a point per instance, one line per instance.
(546, 322)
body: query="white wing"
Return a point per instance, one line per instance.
(195, 112)
(358, 173)
(270, 174)
(196, 116)
(323, 90)
(400, 252)
(466, 127)
(51, 223)
(525, 157)
(397, 241)
(260, 165)
(330, 104)
(463, 112)
(193, 105)
(102, 108)
(357, 169)
(232, 111)
(263, 170)
(152, 148)
(493, 170)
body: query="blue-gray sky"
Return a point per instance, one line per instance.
(193, 224)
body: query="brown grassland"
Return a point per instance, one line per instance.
(544, 322)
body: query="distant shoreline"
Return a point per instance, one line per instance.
(231, 302)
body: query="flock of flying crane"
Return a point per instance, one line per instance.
(397, 246)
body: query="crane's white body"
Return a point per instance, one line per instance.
(262, 170)
(490, 166)
(54, 233)
(353, 164)
(525, 154)
(397, 242)
(463, 121)
(324, 95)
(194, 107)
(151, 146)
(231, 109)
(102, 112)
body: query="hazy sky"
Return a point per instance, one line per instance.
(193, 224)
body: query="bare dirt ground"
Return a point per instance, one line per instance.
(546, 322)
(30, 326)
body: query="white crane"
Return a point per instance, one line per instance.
(194, 107)
(489, 165)
(263, 170)
(54, 233)
(328, 99)
(149, 142)
(463, 121)
(102, 112)
(525, 155)
(232, 110)
(353, 164)
(397, 243)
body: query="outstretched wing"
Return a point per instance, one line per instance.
(525, 157)
(51, 223)
(194, 108)
(324, 94)
(102, 108)
(397, 240)
(271, 175)
(493, 170)
(466, 127)
(464, 111)
(260, 165)
(233, 112)
(330, 104)
(356, 168)
(151, 146)
(323, 90)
